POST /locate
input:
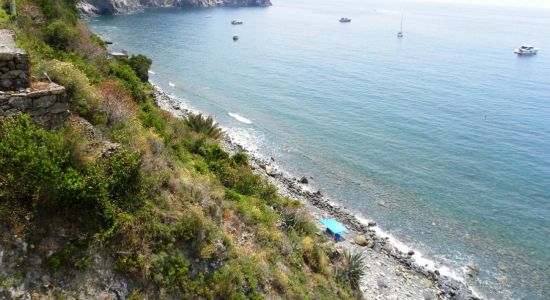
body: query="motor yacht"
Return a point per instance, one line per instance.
(526, 50)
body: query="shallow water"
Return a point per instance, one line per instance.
(446, 125)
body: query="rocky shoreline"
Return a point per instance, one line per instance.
(390, 273)
(119, 7)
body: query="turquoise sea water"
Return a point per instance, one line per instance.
(446, 125)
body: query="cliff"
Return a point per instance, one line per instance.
(122, 200)
(113, 7)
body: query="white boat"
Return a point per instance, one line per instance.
(235, 37)
(236, 22)
(400, 33)
(526, 50)
(345, 20)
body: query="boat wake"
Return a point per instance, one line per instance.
(239, 118)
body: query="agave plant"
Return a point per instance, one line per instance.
(353, 268)
(204, 125)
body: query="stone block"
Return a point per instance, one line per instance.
(38, 112)
(6, 83)
(22, 103)
(44, 101)
(58, 108)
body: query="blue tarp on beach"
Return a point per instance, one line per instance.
(334, 226)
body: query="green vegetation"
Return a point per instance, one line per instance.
(182, 217)
(140, 64)
(353, 269)
(203, 125)
(59, 35)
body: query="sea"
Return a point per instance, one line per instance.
(446, 127)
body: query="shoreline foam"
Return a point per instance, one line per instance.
(387, 252)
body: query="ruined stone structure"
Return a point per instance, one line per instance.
(45, 102)
(14, 64)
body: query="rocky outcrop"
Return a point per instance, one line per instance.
(114, 7)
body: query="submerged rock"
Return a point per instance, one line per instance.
(303, 180)
(473, 270)
(383, 203)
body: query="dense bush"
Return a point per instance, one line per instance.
(31, 160)
(60, 36)
(65, 10)
(140, 64)
(128, 76)
(35, 169)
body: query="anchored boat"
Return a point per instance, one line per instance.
(526, 50)
(400, 33)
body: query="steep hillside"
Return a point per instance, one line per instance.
(123, 200)
(110, 7)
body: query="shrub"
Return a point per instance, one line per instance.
(60, 9)
(151, 117)
(214, 153)
(248, 184)
(140, 64)
(31, 159)
(240, 158)
(353, 268)
(123, 178)
(59, 35)
(116, 103)
(297, 220)
(83, 97)
(204, 125)
(128, 76)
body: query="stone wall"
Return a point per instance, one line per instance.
(14, 64)
(46, 103)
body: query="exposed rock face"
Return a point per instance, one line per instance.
(114, 7)
(108, 7)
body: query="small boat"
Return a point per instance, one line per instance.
(236, 22)
(400, 33)
(235, 37)
(345, 20)
(526, 50)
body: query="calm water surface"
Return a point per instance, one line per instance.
(446, 125)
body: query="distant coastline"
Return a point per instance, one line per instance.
(117, 7)
(379, 249)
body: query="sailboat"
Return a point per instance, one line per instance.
(400, 33)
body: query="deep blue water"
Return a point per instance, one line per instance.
(446, 125)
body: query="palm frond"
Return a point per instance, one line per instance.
(203, 125)
(353, 269)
